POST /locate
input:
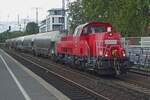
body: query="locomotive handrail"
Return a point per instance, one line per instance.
(88, 48)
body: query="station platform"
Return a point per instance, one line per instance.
(19, 83)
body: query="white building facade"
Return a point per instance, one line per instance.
(56, 20)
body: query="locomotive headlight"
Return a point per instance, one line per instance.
(123, 53)
(106, 54)
(110, 34)
(109, 29)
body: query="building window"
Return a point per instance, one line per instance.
(55, 20)
(51, 12)
(56, 12)
(48, 28)
(57, 27)
(48, 21)
(61, 19)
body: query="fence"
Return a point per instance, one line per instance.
(138, 50)
(2, 45)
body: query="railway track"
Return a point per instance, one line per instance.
(72, 89)
(140, 71)
(93, 87)
(133, 79)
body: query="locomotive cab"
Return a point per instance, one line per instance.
(101, 39)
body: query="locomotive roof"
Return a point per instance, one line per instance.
(79, 28)
(94, 22)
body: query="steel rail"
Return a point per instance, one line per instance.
(70, 81)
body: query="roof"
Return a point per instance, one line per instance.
(53, 9)
(95, 22)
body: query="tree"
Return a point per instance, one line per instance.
(76, 15)
(8, 35)
(82, 11)
(95, 9)
(130, 17)
(32, 28)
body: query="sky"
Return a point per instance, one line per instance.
(10, 9)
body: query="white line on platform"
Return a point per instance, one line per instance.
(46, 85)
(64, 78)
(26, 96)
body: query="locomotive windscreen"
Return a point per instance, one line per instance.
(95, 29)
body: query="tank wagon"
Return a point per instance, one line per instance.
(94, 46)
(27, 43)
(38, 44)
(18, 43)
(44, 43)
(11, 43)
(8, 43)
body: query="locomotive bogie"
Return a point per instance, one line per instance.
(100, 65)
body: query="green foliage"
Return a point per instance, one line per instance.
(8, 35)
(75, 15)
(130, 17)
(32, 28)
(95, 9)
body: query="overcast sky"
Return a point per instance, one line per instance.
(9, 9)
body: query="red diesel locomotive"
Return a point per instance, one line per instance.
(94, 46)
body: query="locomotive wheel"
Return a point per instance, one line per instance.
(83, 66)
(116, 67)
(34, 53)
